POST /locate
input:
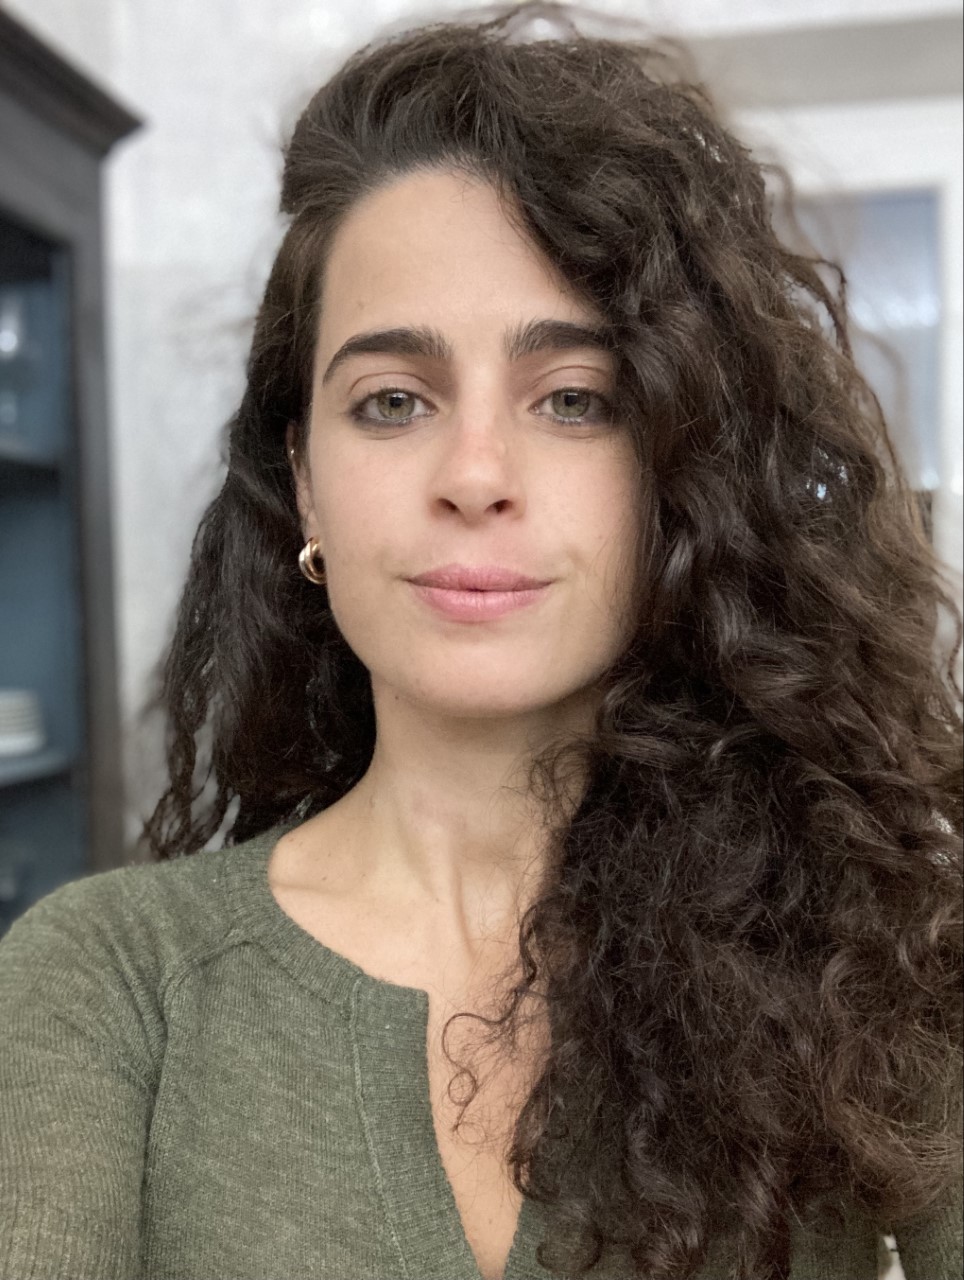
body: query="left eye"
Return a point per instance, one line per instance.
(570, 404)
(574, 398)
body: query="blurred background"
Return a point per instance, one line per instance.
(139, 170)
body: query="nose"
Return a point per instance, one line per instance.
(480, 467)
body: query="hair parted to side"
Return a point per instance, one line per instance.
(750, 940)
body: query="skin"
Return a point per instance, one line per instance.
(489, 471)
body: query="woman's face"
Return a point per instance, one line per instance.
(465, 453)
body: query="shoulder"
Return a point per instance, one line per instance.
(147, 904)
(143, 922)
(91, 963)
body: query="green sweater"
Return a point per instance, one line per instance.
(192, 1087)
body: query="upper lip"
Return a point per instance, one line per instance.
(479, 577)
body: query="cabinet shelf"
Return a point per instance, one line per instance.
(63, 804)
(14, 449)
(49, 763)
(18, 459)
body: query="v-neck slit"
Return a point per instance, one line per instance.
(406, 1158)
(388, 1027)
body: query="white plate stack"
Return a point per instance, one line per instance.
(21, 726)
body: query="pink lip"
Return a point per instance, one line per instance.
(477, 606)
(482, 577)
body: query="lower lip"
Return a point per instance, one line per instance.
(477, 606)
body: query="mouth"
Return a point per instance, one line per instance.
(461, 577)
(475, 605)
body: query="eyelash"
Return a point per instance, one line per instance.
(355, 413)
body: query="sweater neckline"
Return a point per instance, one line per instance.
(372, 1002)
(389, 1025)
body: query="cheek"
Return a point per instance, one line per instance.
(611, 502)
(365, 542)
(618, 522)
(353, 510)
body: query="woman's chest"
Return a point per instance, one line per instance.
(271, 1148)
(295, 1133)
(470, 1156)
(473, 1144)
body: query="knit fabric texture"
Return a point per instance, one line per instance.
(192, 1087)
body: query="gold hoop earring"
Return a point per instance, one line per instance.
(306, 562)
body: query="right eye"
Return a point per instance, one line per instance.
(391, 401)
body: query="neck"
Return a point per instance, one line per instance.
(443, 823)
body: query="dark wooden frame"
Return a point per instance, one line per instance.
(55, 128)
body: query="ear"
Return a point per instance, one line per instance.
(301, 477)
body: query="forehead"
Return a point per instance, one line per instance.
(438, 248)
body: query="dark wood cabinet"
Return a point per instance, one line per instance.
(61, 791)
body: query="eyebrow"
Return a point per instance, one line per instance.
(521, 341)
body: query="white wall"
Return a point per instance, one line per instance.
(192, 228)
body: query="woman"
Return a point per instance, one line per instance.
(562, 641)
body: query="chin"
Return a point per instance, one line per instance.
(468, 696)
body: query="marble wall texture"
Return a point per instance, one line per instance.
(192, 228)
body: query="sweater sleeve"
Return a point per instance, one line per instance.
(75, 1091)
(931, 1247)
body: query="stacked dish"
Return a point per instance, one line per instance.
(21, 726)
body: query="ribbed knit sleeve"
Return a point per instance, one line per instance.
(932, 1246)
(75, 1092)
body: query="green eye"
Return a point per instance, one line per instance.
(394, 404)
(572, 402)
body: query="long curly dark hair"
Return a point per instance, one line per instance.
(750, 937)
